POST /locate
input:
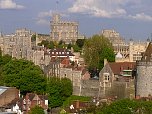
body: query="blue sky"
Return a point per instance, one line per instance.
(131, 18)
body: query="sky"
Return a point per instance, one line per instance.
(131, 18)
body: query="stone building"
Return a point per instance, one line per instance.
(22, 39)
(66, 31)
(17, 45)
(136, 48)
(144, 74)
(113, 36)
(130, 51)
(41, 37)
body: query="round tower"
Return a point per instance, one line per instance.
(144, 79)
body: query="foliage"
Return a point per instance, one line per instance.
(96, 49)
(127, 106)
(33, 38)
(80, 43)
(5, 59)
(68, 101)
(37, 110)
(58, 91)
(76, 48)
(24, 75)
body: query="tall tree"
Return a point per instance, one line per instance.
(24, 75)
(96, 49)
(58, 91)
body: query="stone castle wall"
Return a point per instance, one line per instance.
(92, 88)
(144, 79)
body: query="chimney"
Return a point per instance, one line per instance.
(105, 61)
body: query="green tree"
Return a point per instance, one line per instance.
(33, 38)
(96, 49)
(67, 88)
(80, 42)
(127, 106)
(51, 45)
(54, 90)
(58, 91)
(37, 110)
(76, 48)
(24, 75)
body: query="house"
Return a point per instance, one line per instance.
(77, 107)
(121, 71)
(31, 100)
(7, 95)
(61, 53)
(117, 79)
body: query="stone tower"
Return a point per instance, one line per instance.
(143, 85)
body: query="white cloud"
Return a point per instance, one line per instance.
(99, 8)
(141, 16)
(9, 4)
(45, 14)
(42, 22)
(112, 9)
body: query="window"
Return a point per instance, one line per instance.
(64, 75)
(106, 77)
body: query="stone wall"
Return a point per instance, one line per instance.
(144, 79)
(93, 88)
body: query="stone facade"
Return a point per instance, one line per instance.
(136, 49)
(130, 51)
(143, 76)
(41, 37)
(113, 36)
(144, 79)
(63, 30)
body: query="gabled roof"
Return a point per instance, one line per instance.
(117, 68)
(32, 95)
(147, 56)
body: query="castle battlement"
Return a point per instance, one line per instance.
(143, 63)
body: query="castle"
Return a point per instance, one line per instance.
(66, 31)
(144, 74)
(125, 51)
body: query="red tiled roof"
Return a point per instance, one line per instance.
(117, 68)
(65, 61)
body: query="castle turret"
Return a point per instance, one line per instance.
(144, 74)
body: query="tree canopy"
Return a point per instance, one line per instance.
(127, 106)
(37, 110)
(24, 75)
(58, 90)
(96, 49)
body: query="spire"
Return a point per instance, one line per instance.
(151, 37)
(1, 34)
